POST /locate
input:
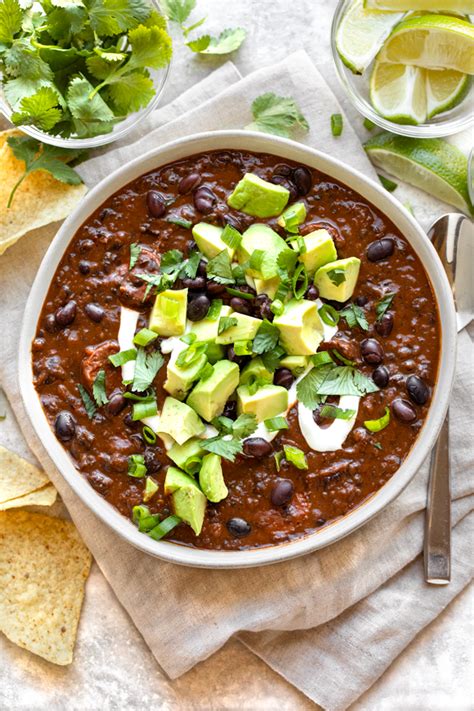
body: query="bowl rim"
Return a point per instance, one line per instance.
(371, 191)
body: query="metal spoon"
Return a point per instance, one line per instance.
(453, 237)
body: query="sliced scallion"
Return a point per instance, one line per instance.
(329, 315)
(136, 466)
(336, 124)
(380, 424)
(123, 357)
(274, 424)
(144, 337)
(277, 307)
(240, 294)
(336, 413)
(295, 456)
(321, 358)
(231, 237)
(148, 435)
(164, 527)
(180, 222)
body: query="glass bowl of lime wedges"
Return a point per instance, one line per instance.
(407, 65)
(80, 75)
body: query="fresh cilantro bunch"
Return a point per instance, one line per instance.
(76, 68)
(229, 40)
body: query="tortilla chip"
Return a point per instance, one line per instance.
(43, 569)
(39, 200)
(46, 496)
(18, 477)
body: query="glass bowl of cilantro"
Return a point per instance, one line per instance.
(83, 73)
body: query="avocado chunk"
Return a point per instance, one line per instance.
(211, 479)
(301, 330)
(180, 421)
(337, 280)
(179, 381)
(297, 364)
(267, 286)
(262, 237)
(244, 330)
(320, 250)
(206, 330)
(255, 371)
(293, 217)
(208, 239)
(189, 503)
(168, 316)
(267, 401)
(258, 197)
(210, 395)
(182, 453)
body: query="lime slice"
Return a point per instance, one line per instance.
(430, 164)
(463, 7)
(398, 92)
(444, 90)
(432, 41)
(361, 33)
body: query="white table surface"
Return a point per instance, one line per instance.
(113, 668)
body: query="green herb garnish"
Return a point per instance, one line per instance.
(336, 413)
(219, 268)
(136, 466)
(226, 322)
(274, 424)
(387, 183)
(146, 367)
(98, 389)
(144, 337)
(337, 276)
(226, 448)
(135, 250)
(336, 124)
(368, 124)
(164, 527)
(355, 316)
(123, 357)
(148, 435)
(277, 115)
(228, 41)
(179, 221)
(240, 294)
(88, 402)
(380, 424)
(332, 380)
(295, 456)
(231, 237)
(214, 309)
(266, 338)
(383, 305)
(329, 315)
(321, 358)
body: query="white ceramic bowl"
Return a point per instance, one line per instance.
(371, 191)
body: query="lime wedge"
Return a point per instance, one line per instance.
(463, 7)
(398, 92)
(432, 41)
(430, 164)
(444, 90)
(361, 33)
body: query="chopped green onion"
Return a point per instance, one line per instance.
(238, 272)
(146, 408)
(368, 124)
(148, 395)
(282, 292)
(337, 275)
(380, 424)
(226, 322)
(241, 294)
(340, 357)
(243, 348)
(301, 245)
(277, 307)
(188, 338)
(336, 413)
(123, 357)
(180, 221)
(148, 435)
(293, 217)
(191, 355)
(88, 402)
(329, 315)
(164, 527)
(192, 465)
(256, 259)
(377, 445)
(387, 183)
(300, 274)
(145, 520)
(231, 237)
(273, 424)
(295, 456)
(151, 487)
(321, 358)
(98, 389)
(136, 466)
(214, 310)
(206, 372)
(336, 124)
(144, 337)
(278, 457)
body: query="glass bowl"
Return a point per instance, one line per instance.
(357, 89)
(121, 128)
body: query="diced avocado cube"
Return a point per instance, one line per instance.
(267, 286)
(210, 395)
(258, 197)
(261, 237)
(179, 381)
(189, 503)
(211, 479)
(297, 364)
(245, 329)
(337, 280)
(255, 371)
(301, 330)
(168, 316)
(206, 330)
(320, 250)
(214, 352)
(182, 453)
(267, 401)
(293, 217)
(208, 239)
(180, 421)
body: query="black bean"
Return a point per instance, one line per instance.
(66, 314)
(262, 308)
(191, 245)
(231, 355)
(128, 421)
(403, 410)
(202, 268)
(284, 378)
(286, 183)
(198, 308)
(312, 294)
(384, 325)
(246, 289)
(214, 289)
(238, 527)
(242, 306)
(371, 351)
(95, 312)
(156, 203)
(380, 249)
(65, 426)
(152, 462)
(233, 221)
(282, 169)
(204, 199)
(303, 180)
(257, 447)
(188, 183)
(199, 282)
(230, 409)
(84, 266)
(50, 323)
(418, 391)
(100, 481)
(381, 376)
(116, 403)
(282, 492)
(361, 300)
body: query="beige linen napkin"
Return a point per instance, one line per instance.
(186, 614)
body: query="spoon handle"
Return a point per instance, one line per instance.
(437, 552)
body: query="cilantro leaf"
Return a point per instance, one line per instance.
(131, 92)
(151, 47)
(346, 380)
(178, 10)
(307, 388)
(271, 360)
(228, 41)
(277, 115)
(226, 448)
(146, 367)
(40, 109)
(337, 276)
(266, 338)
(383, 305)
(11, 16)
(191, 266)
(355, 316)
(111, 17)
(91, 114)
(220, 269)
(88, 402)
(226, 322)
(244, 426)
(170, 260)
(64, 22)
(98, 389)
(336, 413)
(135, 250)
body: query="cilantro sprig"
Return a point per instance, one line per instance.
(229, 40)
(276, 114)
